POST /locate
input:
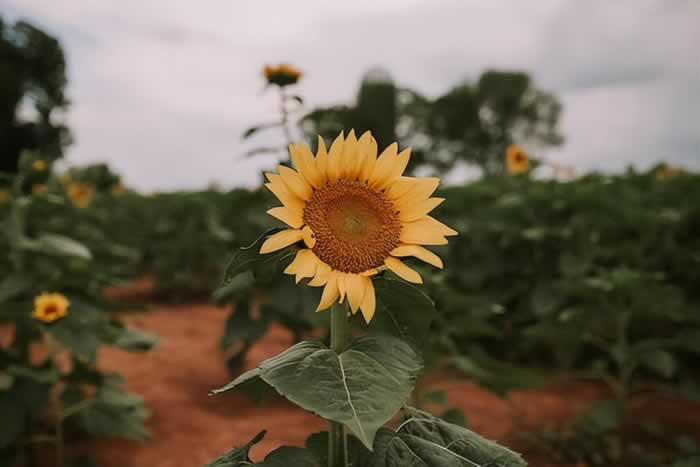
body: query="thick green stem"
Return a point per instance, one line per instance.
(340, 339)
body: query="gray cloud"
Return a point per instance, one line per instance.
(163, 89)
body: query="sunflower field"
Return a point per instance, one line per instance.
(352, 310)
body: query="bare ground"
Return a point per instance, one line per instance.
(189, 428)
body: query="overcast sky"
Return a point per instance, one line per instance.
(162, 89)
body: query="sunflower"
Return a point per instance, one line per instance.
(39, 165)
(4, 196)
(282, 74)
(80, 194)
(517, 161)
(356, 215)
(50, 307)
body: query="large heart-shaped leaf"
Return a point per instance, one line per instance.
(423, 440)
(362, 387)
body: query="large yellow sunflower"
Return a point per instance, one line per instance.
(356, 215)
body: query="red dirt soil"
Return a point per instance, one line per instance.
(189, 428)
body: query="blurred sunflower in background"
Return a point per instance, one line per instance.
(50, 307)
(4, 196)
(517, 161)
(356, 216)
(80, 194)
(282, 74)
(39, 165)
(665, 171)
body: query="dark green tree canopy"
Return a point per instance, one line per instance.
(473, 122)
(32, 76)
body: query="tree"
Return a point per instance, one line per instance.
(476, 123)
(473, 122)
(32, 84)
(375, 110)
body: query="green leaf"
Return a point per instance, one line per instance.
(54, 244)
(237, 456)
(362, 387)
(423, 440)
(403, 310)
(249, 259)
(43, 375)
(134, 340)
(12, 286)
(281, 457)
(114, 412)
(602, 417)
(660, 361)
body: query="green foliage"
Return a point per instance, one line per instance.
(361, 387)
(49, 379)
(473, 122)
(32, 72)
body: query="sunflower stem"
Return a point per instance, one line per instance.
(340, 339)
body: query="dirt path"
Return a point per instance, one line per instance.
(190, 428)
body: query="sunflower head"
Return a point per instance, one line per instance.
(39, 165)
(4, 196)
(517, 161)
(50, 307)
(355, 215)
(282, 74)
(80, 194)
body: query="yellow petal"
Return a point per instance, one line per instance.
(303, 266)
(330, 292)
(369, 161)
(419, 252)
(280, 240)
(290, 216)
(322, 160)
(404, 272)
(308, 236)
(422, 189)
(303, 160)
(348, 156)
(385, 162)
(341, 286)
(419, 209)
(355, 286)
(295, 182)
(425, 231)
(370, 272)
(323, 272)
(396, 170)
(369, 303)
(400, 187)
(280, 190)
(334, 158)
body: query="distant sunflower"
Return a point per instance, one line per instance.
(4, 196)
(282, 74)
(517, 161)
(50, 307)
(356, 215)
(80, 194)
(39, 165)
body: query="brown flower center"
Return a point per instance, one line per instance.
(355, 227)
(50, 310)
